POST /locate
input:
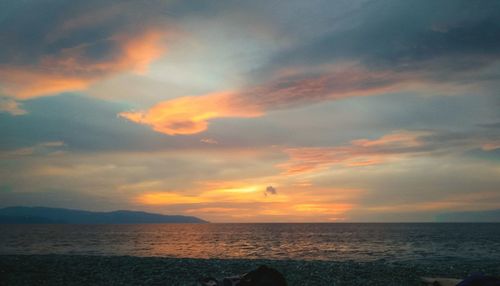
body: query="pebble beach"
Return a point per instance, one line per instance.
(129, 270)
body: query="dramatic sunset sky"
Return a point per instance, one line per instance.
(252, 111)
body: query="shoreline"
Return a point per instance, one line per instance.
(56, 269)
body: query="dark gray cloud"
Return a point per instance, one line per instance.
(395, 33)
(395, 44)
(31, 29)
(495, 125)
(270, 190)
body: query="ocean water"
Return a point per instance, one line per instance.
(339, 242)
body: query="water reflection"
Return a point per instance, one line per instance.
(359, 242)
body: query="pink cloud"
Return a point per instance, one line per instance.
(363, 152)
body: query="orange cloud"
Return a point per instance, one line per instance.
(402, 139)
(456, 201)
(165, 198)
(213, 210)
(139, 52)
(241, 194)
(490, 146)
(333, 209)
(25, 84)
(306, 212)
(71, 70)
(363, 152)
(190, 115)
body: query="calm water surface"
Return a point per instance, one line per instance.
(359, 242)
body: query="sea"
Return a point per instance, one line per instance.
(288, 241)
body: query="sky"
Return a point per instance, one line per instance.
(252, 111)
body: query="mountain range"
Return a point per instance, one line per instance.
(37, 215)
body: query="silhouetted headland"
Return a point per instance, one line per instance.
(34, 215)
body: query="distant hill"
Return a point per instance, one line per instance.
(471, 216)
(57, 215)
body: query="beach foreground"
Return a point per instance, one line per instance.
(128, 270)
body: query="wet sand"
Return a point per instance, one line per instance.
(128, 270)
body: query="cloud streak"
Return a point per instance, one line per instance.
(369, 152)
